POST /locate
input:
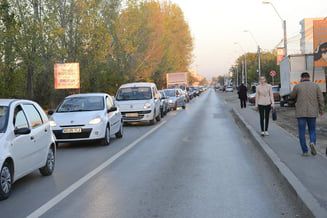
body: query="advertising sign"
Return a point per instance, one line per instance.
(280, 55)
(66, 76)
(320, 42)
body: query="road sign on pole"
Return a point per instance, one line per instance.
(273, 73)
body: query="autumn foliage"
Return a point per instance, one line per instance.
(114, 41)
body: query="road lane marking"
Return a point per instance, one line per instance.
(62, 195)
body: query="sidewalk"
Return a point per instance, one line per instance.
(310, 171)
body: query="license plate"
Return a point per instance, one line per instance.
(72, 130)
(132, 115)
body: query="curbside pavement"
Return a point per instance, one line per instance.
(310, 203)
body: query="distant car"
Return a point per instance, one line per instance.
(276, 90)
(164, 106)
(251, 98)
(26, 142)
(139, 102)
(87, 117)
(229, 89)
(175, 98)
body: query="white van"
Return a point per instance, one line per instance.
(139, 102)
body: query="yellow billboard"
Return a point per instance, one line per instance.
(66, 76)
(320, 42)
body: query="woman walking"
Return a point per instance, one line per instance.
(264, 102)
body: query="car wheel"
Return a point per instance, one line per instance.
(48, 169)
(162, 112)
(106, 140)
(175, 107)
(184, 107)
(158, 118)
(5, 181)
(119, 134)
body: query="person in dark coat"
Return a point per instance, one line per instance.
(243, 95)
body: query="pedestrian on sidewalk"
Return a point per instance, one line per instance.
(243, 95)
(264, 101)
(309, 104)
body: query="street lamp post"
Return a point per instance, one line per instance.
(259, 51)
(244, 65)
(284, 25)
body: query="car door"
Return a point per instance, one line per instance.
(22, 145)
(113, 116)
(156, 97)
(39, 133)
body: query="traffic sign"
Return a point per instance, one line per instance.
(273, 73)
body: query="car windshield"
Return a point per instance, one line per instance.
(134, 93)
(89, 103)
(3, 118)
(170, 92)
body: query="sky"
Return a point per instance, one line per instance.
(216, 25)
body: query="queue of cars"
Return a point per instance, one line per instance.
(29, 137)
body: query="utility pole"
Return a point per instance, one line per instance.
(259, 61)
(285, 38)
(237, 76)
(259, 51)
(245, 70)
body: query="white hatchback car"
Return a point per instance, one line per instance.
(87, 117)
(26, 142)
(139, 102)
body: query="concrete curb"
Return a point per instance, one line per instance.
(309, 202)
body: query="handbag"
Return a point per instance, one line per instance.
(274, 114)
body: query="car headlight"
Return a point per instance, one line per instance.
(170, 101)
(95, 121)
(147, 105)
(53, 123)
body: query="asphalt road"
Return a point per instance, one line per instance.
(195, 163)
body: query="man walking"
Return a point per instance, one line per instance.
(309, 104)
(242, 95)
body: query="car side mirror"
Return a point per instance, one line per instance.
(22, 131)
(50, 112)
(112, 109)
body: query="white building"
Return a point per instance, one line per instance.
(306, 42)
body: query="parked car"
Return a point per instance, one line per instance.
(251, 98)
(139, 102)
(175, 98)
(191, 92)
(275, 89)
(164, 106)
(87, 117)
(26, 142)
(185, 94)
(276, 93)
(229, 89)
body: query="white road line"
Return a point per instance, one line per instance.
(62, 195)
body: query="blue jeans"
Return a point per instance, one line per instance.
(302, 123)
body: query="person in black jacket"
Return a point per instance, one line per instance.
(242, 95)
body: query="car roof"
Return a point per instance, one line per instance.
(139, 84)
(87, 95)
(7, 102)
